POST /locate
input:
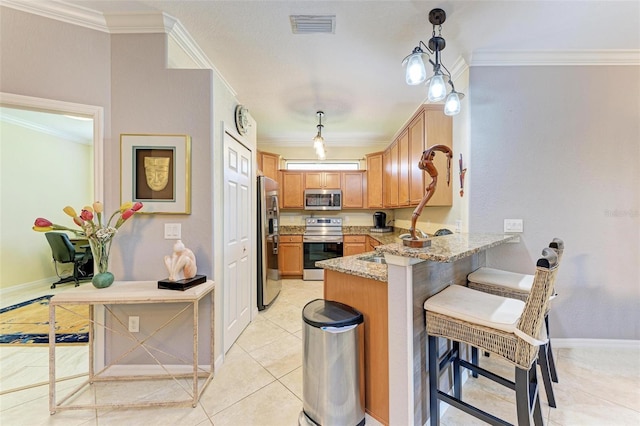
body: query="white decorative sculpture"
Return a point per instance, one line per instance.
(181, 264)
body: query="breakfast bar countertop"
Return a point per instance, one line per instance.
(448, 248)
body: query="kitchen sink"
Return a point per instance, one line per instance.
(374, 259)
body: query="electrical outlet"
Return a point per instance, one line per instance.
(134, 324)
(513, 225)
(172, 231)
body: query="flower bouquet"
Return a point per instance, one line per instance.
(98, 234)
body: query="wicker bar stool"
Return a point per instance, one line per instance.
(506, 327)
(517, 286)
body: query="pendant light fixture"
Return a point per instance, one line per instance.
(318, 140)
(416, 71)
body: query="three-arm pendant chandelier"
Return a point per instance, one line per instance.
(318, 140)
(416, 72)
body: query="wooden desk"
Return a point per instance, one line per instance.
(132, 292)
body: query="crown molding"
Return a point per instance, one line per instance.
(36, 127)
(61, 11)
(491, 58)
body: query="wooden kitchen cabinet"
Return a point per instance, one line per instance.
(375, 170)
(353, 189)
(404, 167)
(290, 255)
(322, 180)
(404, 183)
(269, 164)
(354, 244)
(372, 243)
(391, 175)
(292, 190)
(438, 131)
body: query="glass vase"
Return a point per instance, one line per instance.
(100, 250)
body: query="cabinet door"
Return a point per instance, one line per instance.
(353, 190)
(374, 180)
(312, 180)
(332, 180)
(354, 244)
(438, 129)
(270, 164)
(391, 176)
(292, 191)
(403, 169)
(416, 148)
(372, 243)
(322, 180)
(290, 255)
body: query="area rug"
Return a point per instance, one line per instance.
(27, 323)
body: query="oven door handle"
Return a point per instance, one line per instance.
(321, 240)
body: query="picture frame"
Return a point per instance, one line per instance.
(155, 169)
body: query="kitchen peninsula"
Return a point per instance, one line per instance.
(396, 373)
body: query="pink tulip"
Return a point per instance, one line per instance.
(127, 214)
(137, 206)
(42, 223)
(86, 215)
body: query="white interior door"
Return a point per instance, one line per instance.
(237, 239)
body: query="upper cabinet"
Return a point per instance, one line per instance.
(292, 190)
(374, 180)
(322, 180)
(269, 164)
(353, 189)
(404, 182)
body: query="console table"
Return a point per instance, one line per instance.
(131, 293)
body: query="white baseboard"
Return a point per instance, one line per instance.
(594, 343)
(44, 283)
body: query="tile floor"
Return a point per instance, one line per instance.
(260, 382)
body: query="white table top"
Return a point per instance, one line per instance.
(130, 292)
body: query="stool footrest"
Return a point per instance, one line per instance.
(488, 374)
(474, 411)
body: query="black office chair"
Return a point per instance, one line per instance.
(64, 252)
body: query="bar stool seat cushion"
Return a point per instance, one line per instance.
(477, 307)
(491, 276)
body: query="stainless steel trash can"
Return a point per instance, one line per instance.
(331, 389)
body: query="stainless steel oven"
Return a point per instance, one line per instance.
(322, 240)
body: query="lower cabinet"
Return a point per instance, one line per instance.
(372, 243)
(369, 297)
(354, 244)
(290, 255)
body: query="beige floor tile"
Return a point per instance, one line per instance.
(239, 376)
(293, 382)
(187, 416)
(273, 405)
(259, 333)
(35, 411)
(609, 374)
(285, 315)
(576, 407)
(280, 357)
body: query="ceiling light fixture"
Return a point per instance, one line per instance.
(318, 140)
(416, 72)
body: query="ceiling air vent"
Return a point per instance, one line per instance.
(313, 24)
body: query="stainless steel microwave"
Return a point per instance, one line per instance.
(322, 199)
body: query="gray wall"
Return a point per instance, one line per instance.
(560, 148)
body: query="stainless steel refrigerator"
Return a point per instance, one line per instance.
(269, 283)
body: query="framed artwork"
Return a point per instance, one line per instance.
(156, 170)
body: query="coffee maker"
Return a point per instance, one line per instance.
(379, 220)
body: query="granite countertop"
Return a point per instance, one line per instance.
(382, 237)
(448, 248)
(352, 265)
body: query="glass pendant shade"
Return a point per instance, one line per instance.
(452, 104)
(437, 88)
(416, 72)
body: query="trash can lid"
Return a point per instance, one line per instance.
(327, 313)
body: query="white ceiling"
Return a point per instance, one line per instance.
(355, 75)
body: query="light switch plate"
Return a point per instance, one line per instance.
(513, 225)
(172, 231)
